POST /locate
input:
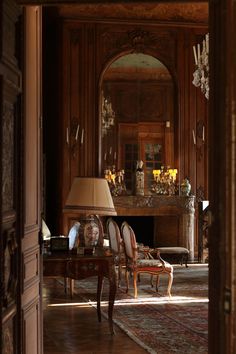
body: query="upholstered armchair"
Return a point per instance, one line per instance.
(136, 266)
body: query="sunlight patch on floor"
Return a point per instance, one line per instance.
(140, 301)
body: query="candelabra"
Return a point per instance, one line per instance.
(165, 181)
(107, 114)
(115, 181)
(201, 74)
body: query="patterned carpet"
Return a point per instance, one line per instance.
(157, 323)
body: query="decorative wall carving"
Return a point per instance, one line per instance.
(7, 338)
(10, 266)
(138, 40)
(8, 157)
(161, 204)
(9, 35)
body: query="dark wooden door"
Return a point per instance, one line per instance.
(20, 106)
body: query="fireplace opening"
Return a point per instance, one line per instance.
(143, 227)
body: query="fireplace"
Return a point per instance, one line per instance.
(161, 221)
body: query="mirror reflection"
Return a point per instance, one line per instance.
(137, 119)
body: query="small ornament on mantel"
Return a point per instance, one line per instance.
(185, 187)
(139, 178)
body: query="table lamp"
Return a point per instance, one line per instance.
(90, 197)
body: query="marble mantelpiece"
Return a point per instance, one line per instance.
(159, 205)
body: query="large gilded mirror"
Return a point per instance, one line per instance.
(137, 117)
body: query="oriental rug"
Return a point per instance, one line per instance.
(156, 322)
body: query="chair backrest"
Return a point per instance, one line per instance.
(114, 236)
(73, 235)
(129, 239)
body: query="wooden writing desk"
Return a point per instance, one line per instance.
(81, 267)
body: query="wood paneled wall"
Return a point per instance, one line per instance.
(87, 49)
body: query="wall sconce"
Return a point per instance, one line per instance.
(107, 115)
(72, 135)
(201, 74)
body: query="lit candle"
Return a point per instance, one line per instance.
(207, 43)
(198, 52)
(82, 136)
(77, 133)
(195, 54)
(204, 45)
(194, 138)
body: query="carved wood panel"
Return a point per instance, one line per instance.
(10, 149)
(30, 259)
(8, 128)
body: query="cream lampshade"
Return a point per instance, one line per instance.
(89, 196)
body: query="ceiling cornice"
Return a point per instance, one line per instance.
(191, 12)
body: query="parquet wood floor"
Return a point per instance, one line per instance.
(75, 329)
(71, 325)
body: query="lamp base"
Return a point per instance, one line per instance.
(88, 232)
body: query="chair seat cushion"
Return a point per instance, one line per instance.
(152, 265)
(173, 250)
